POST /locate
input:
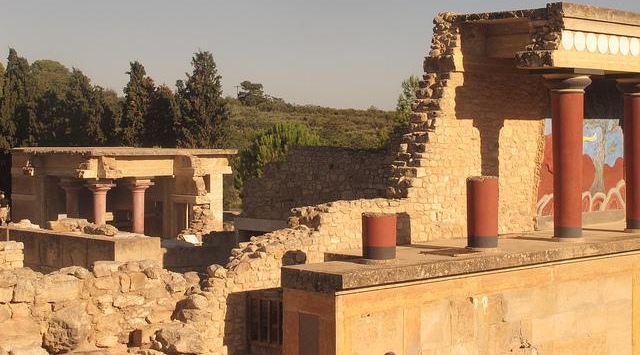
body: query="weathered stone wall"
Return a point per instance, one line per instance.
(314, 175)
(74, 308)
(474, 115)
(11, 255)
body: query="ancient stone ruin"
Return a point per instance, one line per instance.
(494, 88)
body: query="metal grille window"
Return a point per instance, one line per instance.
(265, 318)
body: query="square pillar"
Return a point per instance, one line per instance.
(630, 87)
(567, 115)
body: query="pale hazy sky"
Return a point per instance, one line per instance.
(338, 53)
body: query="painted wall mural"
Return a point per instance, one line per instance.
(602, 173)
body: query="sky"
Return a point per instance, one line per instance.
(336, 53)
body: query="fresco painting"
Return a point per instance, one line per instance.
(603, 186)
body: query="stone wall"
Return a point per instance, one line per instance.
(11, 255)
(474, 116)
(314, 175)
(74, 308)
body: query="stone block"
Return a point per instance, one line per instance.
(6, 294)
(104, 268)
(24, 291)
(21, 332)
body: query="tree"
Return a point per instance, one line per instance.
(51, 83)
(270, 146)
(111, 108)
(18, 123)
(137, 103)
(204, 111)
(84, 112)
(163, 116)
(252, 94)
(1, 81)
(406, 99)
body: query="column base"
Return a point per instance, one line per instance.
(568, 240)
(567, 232)
(633, 225)
(484, 250)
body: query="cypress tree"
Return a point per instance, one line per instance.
(204, 111)
(137, 104)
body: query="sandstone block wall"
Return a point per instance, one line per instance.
(314, 175)
(11, 255)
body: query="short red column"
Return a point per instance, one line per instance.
(379, 235)
(482, 212)
(631, 89)
(99, 189)
(71, 189)
(567, 115)
(137, 194)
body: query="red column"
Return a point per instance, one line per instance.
(379, 236)
(71, 188)
(567, 115)
(137, 194)
(99, 189)
(482, 212)
(631, 89)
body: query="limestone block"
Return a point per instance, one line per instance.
(7, 278)
(21, 332)
(6, 294)
(57, 287)
(106, 340)
(24, 291)
(67, 329)
(5, 313)
(129, 300)
(137, 280)
(105, 283)
(216, 271)
(29, 350)
(179, 338)
(77, 271)
(104, 268)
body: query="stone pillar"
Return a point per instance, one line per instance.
(631, 90)
(567, 115)
(482, 212)
(71, 188)
(138, 186)
(99, 189)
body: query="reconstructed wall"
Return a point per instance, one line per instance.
(314, 175)
(474, 116)
(579, 307)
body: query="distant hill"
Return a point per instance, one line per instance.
(351, 128)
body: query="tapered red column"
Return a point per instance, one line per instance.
(631, 89)
(71, 189)
(567, 115)
(137, 194)
(99, 189)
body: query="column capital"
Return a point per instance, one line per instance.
(99, 185)
(137, 184)
(629, 86)
(567, 82)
